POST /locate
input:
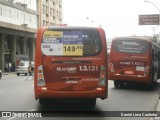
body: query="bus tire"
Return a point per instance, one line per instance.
(119, 84)
(0, 76)
(17, 74)
(150, 86)
(42, 101)
(91, 102)
(153, 83)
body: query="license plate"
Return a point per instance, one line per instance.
(128, 72)
(139, 68)
(71, 81)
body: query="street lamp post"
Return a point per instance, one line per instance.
(153, 4)
(155, 35)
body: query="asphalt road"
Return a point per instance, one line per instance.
(17, 94)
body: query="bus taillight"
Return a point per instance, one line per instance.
(41, 81)
(103, 74)
(102, 81)
(147, 69)
(111, 67)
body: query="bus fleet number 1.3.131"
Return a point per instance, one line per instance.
(88, 68)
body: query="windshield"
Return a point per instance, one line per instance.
(130, 46)
(71, 43)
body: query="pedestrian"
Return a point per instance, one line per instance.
(30, 71)
(6, 68)
(13, 67)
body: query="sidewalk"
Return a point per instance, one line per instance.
(6, 73)
(158, 109)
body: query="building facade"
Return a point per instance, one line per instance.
(50, 12)
(19, 20)
(18, 26)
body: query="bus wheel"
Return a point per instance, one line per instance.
(42, 101)
(150, 86)
(0, 76)
(17, 74)
(119, 84)
(153, 83)
(91, 102)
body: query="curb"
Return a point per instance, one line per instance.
(9, 73)
(158, 108)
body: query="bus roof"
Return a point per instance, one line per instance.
(70, 28)
(131, 38)
(135, 38)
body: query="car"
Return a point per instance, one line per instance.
(22, 68)
(0, 74)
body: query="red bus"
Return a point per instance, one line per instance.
(71, 63)
(133, 60)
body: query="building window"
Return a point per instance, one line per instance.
(16, 15)
(57, 14)
(51, 10)
(23, 18)
(47, 15)
(30, 19)
(44, 9)
(47, 23)
(43, 23)
(8, 13)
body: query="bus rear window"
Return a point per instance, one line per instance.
(130, 46)
(71, 43)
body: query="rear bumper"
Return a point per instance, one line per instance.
(130, 78)
(22, 71)
(100, 93)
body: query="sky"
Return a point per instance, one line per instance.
(117, 17)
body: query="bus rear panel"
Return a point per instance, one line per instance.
(71, 63)
(131, 60)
